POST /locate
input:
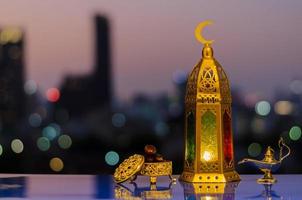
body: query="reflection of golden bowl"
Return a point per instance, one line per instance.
(122, 192)
(157, 194)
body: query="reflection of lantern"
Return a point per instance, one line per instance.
(209, 153)
(210, 191)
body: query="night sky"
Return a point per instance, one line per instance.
(259, 43)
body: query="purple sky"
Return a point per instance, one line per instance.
(259, 43)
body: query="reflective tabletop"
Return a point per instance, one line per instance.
(103, 187)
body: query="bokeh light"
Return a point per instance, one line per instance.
(64, 141)
(112, 158)
(57, 127)
(43, 143)
(56, 164)
(17, 146)
(161, 128)
(254, 149)
(49, 132)
(295, 133)
(35, 120)
(1, 150)
(53, 94)
(251, 99)
(30, 87)
(296, 86)
(283, 107)
(258, 125)
(118, 120)
(263, 108)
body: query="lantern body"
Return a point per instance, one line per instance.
(209, 155)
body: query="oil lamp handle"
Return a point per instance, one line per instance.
(281, 145)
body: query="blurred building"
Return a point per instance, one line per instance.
(12, 97)
(80, 94)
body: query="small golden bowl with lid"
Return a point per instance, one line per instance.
(151, 164)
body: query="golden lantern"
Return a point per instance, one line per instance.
(209, 155)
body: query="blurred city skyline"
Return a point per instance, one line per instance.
(257, 43)
(146, 55)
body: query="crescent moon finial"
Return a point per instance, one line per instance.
(198, 32)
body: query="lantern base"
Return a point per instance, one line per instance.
(209, 177)
(210, 188)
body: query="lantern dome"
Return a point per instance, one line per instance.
(208, 83)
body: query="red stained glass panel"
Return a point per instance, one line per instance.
(228, 146)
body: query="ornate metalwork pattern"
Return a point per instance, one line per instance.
(191, 89)
(157, 169)
(208, 84)
(128, 168)
(209, 167)
(224, 85)
(208, 81)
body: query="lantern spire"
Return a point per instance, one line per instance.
(207, 51)
(198, 32)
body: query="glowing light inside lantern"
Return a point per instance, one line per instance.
(207, 156)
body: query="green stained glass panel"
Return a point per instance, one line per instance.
(209, 146)
(190, 145)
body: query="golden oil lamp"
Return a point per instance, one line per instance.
(269, 164)
(209, 155)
